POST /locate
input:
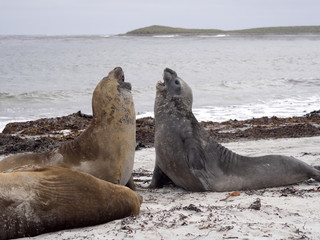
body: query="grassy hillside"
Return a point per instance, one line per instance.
(282, 30)
(156, 29)
(159, 30)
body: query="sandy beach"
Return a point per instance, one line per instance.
(289, 212)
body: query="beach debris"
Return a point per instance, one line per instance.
(207, 227)
(140, 145)
(233, 194)
(225, 228)
(289, 190)
(192, 207)
(256, 205)
(53, 132)
(297, 192)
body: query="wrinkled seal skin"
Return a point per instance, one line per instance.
(106, 148)
(36, 200)
(191, 159)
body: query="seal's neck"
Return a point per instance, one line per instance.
(167, 104)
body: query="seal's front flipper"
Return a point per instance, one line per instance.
(159, 178)
(197, 163)
(131, 184)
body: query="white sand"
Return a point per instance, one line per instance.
(172, 213)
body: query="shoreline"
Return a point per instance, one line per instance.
(47, 133)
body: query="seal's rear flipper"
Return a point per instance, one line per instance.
(316, 175)
(159, 178)
(317, 167)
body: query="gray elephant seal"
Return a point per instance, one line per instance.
(106, 148)
(191, 159)
(36, 200)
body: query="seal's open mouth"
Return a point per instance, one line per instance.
(121, 77)
(161, 84)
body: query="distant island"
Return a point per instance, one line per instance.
(164, 30)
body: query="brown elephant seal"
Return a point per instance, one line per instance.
(36, 200)
(191, 159)
(106, 148)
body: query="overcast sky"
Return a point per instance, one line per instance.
(55, 17)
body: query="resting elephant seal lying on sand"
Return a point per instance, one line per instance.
(191, 159)
(35, 200)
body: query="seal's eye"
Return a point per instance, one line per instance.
(176, 82)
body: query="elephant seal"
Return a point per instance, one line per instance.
(106, 148)
(36, 200)
(191, 159)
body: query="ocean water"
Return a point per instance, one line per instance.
(232, 77)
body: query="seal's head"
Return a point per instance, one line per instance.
(111, 95)
(118, 75)
(174, 87)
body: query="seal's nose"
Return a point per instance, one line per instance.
(168, 74)
(170, 71)
(118, 73)
(117, 69)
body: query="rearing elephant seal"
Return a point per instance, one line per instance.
(106, 148)
(191, 159)
(36, 200)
